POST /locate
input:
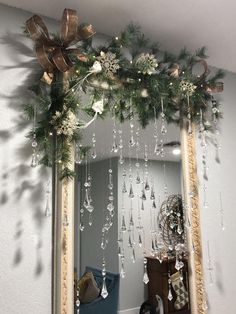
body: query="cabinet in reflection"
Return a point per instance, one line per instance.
(158, 284)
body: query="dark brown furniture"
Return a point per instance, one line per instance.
(158, 283)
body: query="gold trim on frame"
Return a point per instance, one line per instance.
(191, 196)
(63, 302)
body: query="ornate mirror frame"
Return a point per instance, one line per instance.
(63, 235)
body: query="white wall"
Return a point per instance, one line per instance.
(25, 233)
(221, 294)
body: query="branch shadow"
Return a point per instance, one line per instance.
(19, 49)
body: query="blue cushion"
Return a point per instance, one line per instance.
(100, 305)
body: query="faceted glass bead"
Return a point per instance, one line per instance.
(170, 296)
(104, 292)
(145, 277)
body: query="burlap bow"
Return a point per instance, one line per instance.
(55, 53)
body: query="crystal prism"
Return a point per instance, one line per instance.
(143, 196)
(122, 273)
(140, 242)
(123, 224)
(147, 187)
(90, 220)
(77, 302)
(104, 292)
(145, 277)
(152, 197)
(34, 160)
(124, 190)
(138, 180)
(170, 296)
(81, 226)
(131, 192)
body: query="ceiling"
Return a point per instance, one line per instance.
(173, 23)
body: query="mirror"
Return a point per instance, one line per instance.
(130, 220)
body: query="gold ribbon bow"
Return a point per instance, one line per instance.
(55, 53)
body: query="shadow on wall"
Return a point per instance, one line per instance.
(19, 50)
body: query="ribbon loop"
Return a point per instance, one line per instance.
(54, 53)
(69, 26)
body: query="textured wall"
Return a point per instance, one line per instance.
(25, 233)
(221, 294)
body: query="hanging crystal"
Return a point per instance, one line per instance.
(215, 112)
(124, 190)
(189, 116)
(77, 302)
(179, 228)
(34, 144)
(155, 134)
(165, 184)
(131, 192)
(137, 164)
(122, 270)
(163, 118)
(203, 142)
(209, 264)
(145, 274)
(104, 292)
(131, 124)
(114, 144)
(222, 220)
(90, 222)
(170, 296)
(48, 190)
(78, 159)
(143, 195)
(121, 158)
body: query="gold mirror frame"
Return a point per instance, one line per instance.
(63, 235)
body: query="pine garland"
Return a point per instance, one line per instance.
(135, 83)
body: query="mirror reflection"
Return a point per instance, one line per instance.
(130, 224)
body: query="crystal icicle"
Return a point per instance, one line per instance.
(122, 271)
(123, 224)
(140, 241)
(94, 152)
(78, 159)
(145, 274)
(121, 158)
(114, 145)
(34, 144)
(131, 192)
(90, 220)
(170, 296)
(163, 118)
(143, 196)
(104, 292)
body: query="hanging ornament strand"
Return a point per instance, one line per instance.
(34, 144)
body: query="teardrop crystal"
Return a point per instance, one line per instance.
(104, 292)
